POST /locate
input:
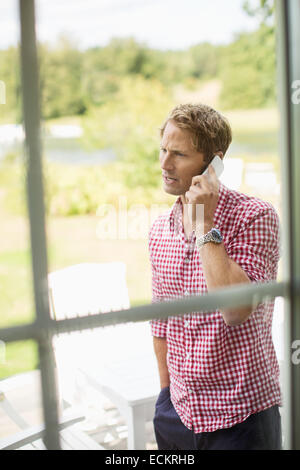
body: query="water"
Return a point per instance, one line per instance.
(255, 143)
(66, 151)
(71, 150)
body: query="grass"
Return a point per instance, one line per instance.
(18, 357)
(15, 288)
(16, 303)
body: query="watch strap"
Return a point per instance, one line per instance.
(214, 236)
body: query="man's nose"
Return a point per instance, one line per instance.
(166, 161)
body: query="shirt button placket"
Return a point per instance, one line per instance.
(187, 267)
(188, 355)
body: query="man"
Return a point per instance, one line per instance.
(218, 372)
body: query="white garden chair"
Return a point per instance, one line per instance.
(117, 361)
(30, 437)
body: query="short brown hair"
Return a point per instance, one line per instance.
(211, 132)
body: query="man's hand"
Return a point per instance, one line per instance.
(203, 190)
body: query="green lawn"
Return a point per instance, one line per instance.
(18, 357)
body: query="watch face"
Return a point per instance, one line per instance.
(217, 234)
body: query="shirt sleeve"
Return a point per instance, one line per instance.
(158, 327)
(256, 247)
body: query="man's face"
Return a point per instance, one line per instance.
(179, 160)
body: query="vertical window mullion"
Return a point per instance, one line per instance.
(294, 34)
(288, 15)
(35, 200)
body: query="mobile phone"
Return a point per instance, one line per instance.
(218, 165)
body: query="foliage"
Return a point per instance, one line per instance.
(128, 124)
(123, 91)
(80, 189)
(205, 60)
(74, 190)
(104, 67)
(10, 75)
(264, 9)
(249, 79)
(12, 184)
(74, 82)
(249, 63)
(60, 80)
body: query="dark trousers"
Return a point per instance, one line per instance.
(260, 431)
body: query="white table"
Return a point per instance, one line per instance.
(133, 389)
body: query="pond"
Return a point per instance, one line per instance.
(73, 151)
(256, 143)
(67, 151)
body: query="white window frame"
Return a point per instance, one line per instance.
(44, 327)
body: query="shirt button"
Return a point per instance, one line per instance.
(188, 355)
(186, 324)
(186, 260)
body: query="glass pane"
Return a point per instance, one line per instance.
(20, 400)
(16, 292)
(110, 73)
(100, 373)
(20, 397)
(101, 159)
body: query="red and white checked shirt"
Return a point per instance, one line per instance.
(219, 374)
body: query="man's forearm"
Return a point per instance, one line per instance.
(221, 271)
(160, 349)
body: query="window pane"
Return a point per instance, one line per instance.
(16, 292)
(20, 403)
(102, 104)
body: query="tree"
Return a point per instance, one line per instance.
(264, 9)
(10, 75)
(129, 124)
(249, 79)
(61, 79)
(205, 60)
(249, 63)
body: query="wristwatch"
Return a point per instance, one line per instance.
(214, 235)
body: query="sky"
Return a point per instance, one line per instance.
(162, 24)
